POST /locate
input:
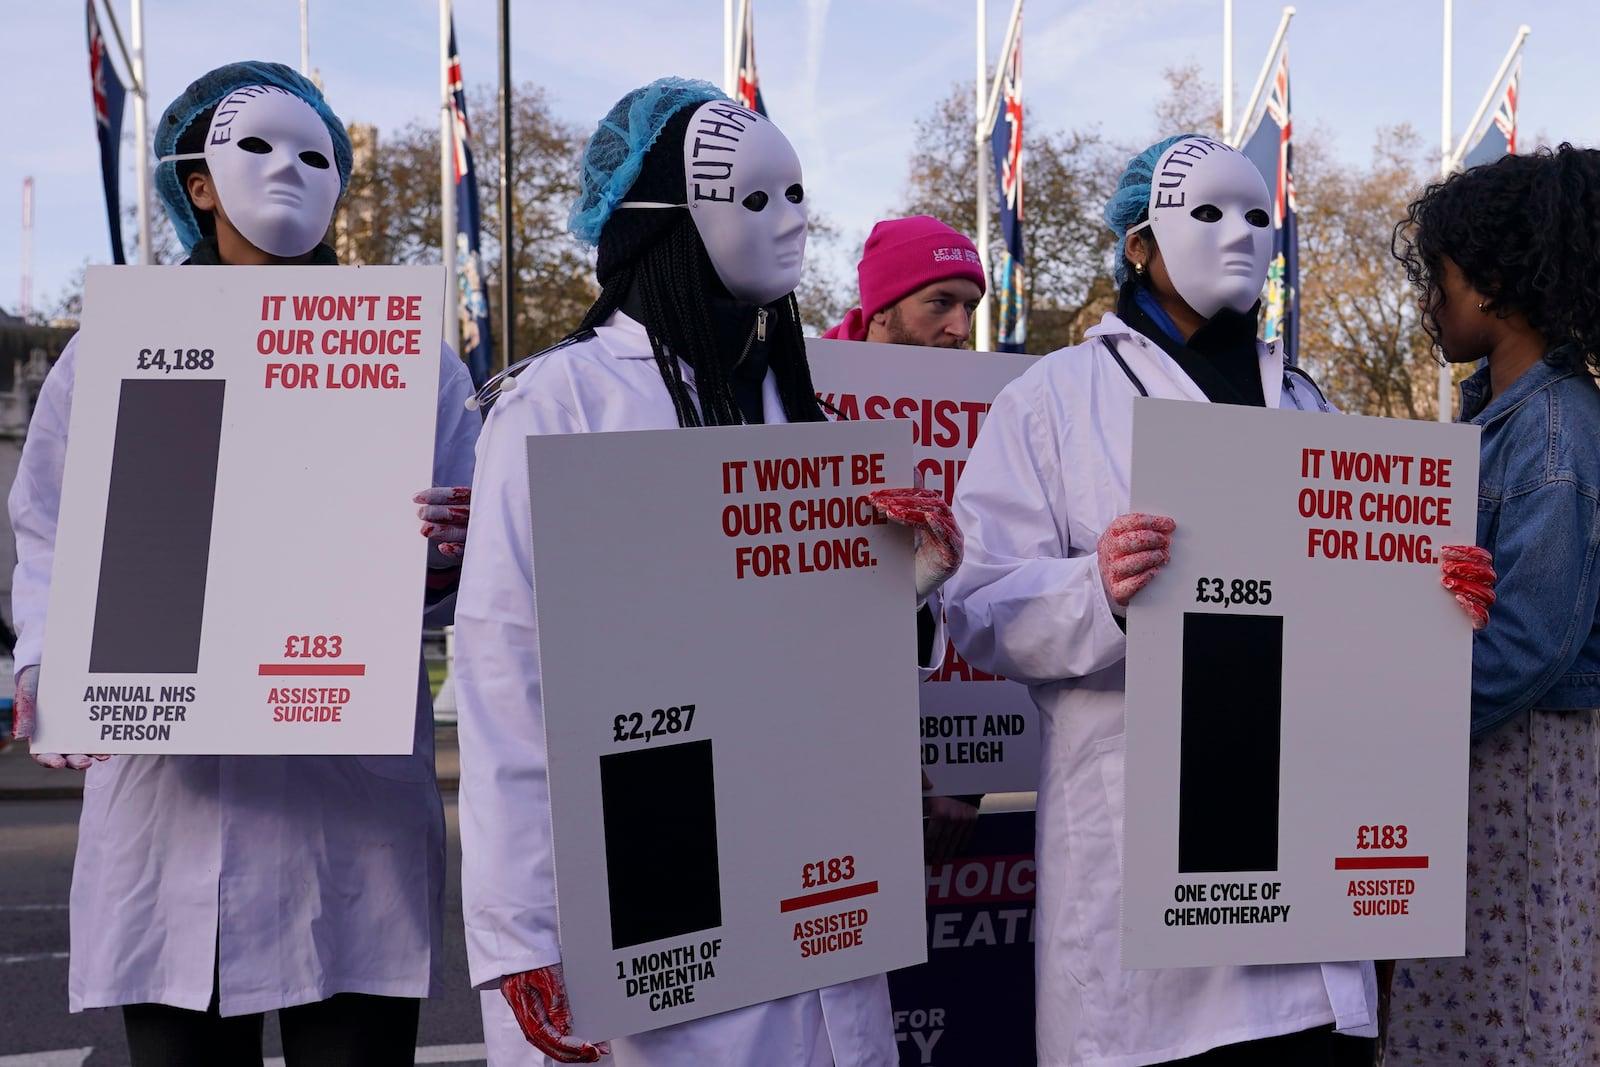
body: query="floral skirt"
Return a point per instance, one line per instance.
(1525, 994)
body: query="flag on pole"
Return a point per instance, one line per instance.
(747, 89)
(109, 96)
(1269, 144)
(1498, 135)
(1006, 141)
(472, 291)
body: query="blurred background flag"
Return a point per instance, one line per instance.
(472, 292)
(1266, 137)
(1006, 141)
(1494, 130)
(109, 95)
(747, 84)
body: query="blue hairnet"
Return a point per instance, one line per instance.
(1132, 198)
(209, 90)
(615, 153)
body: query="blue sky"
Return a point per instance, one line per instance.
(845, 79)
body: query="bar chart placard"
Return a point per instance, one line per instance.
(1298, 686)
(237, 562)
(730, 715)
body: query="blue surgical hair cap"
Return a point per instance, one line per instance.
(211, 89)
(615, 153)
(1131, 201)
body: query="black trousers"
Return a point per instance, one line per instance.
(1320, 1047)
(346, 1030)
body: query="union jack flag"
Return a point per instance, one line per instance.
(109, 96)
(748, 89)
(1006, 142)
(472, 290)
(1490, 146)
(1270, 146)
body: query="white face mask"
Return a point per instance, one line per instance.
(1212, 219)
(272, 163)
(745, 194)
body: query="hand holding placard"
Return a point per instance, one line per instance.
(538, 999)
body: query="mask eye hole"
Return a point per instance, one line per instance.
(1257, 218)
(795, 193)
(755, 201)
(256, 145)
(1207, 213)
(314, 159)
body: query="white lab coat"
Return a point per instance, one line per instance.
(608, 383)
(305, 876)
(1048, 473)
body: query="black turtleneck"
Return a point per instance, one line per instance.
(1220, 356)
(734, 329)
(205, 254)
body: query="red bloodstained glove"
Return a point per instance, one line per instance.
(1132, 550)
(539, 1001)
(1468, 572)
(937, 537)
(444, 513)
(25, 716)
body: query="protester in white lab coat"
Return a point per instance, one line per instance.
(696, 325)
(1052, 560)
(208, 890)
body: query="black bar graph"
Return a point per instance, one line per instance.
(1231, 743)
(157, 546)
(659, 808)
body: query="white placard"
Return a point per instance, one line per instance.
(980, 732)
(238, 567)
(1299, 690)
(728, 667)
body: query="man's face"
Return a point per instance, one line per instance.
(936, 316)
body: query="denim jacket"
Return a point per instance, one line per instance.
(1538, 494)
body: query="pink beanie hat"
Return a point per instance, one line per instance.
(902, 256)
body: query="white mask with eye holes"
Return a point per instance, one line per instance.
(1212, 218)
(272, 164)
(744, 191)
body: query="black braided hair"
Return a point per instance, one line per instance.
(675, 276)
(1525, 232)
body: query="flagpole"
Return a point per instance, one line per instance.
(447, 183)
(305, 39)
(1227, 67)
(116, 31)
(728, 61)
(1446, 164)
(981, 324)
(1496, 87)
(141, 127)
(508, 244)
(991, 110)
(1247, 116)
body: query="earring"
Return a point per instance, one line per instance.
(1138, 268)
(1481, 305)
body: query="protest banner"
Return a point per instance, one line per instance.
(980, 732)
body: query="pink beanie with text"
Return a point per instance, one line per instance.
(902, 256)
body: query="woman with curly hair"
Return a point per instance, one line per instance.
(1506, 260)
